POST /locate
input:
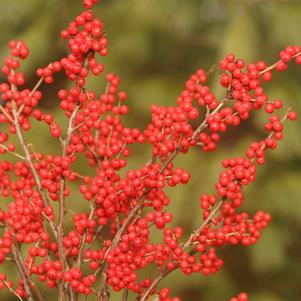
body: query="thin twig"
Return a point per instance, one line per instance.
(6, 114)
(274, 65)
(199, 230)
(11, 152)
(62, 210)
(12, 291)
(83, 240)
(21, 270)
(30, 163)
(204, 123)
(156, 281)
(125, 294)
(35, 88)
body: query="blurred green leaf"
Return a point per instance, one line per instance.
(241, 37)
(281, 193)
(266, 297)
(285, 23)
(269, 253)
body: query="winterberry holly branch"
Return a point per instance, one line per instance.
(130, 206)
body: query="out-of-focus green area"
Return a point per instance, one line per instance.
(154, 46)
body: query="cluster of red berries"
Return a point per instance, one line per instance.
(240, 297)
(79, 283)
(18, 50)
(11, 96)
(164, 295)
(84, 44)
(6, 243)
(108, 246)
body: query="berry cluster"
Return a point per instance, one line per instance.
(116, 236)
(240, 297)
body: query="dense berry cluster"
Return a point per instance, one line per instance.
(109, 243)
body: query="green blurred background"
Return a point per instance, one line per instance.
(154, 46)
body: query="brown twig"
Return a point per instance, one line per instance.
(21, 269)
(199, 230)
(96, 234)
(6, 114)
(203, 125)
(125, 295)
(83, 240)
(62, 210)
(37, 85)
(155, 282)
(30, 163)
(274, 65)
(12, 291)
(27, 276)
(26, 150)
(11, 152)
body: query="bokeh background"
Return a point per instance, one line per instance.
(154, 46)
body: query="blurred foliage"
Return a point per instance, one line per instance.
(154, 46)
